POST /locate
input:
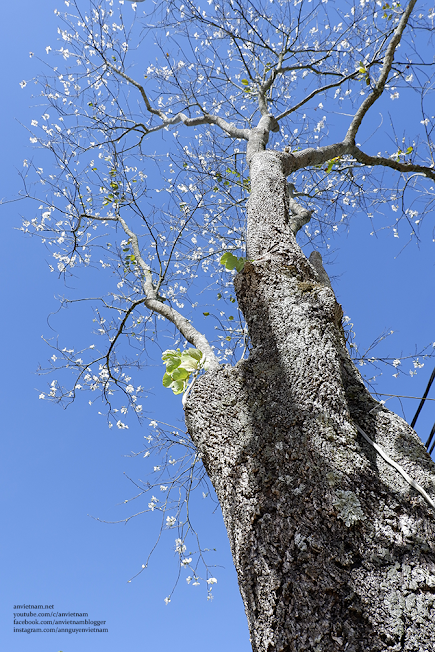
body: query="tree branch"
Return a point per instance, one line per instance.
(366, 159)
(194, 337)
(308, 157)
(228, 127)
(301, 215)
(316, 261)
(383, 77)
(188, 331)
(284, 114)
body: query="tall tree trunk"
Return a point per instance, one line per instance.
(333, 549)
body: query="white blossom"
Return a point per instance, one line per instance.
(179, 546)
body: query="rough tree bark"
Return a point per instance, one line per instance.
(333, 549)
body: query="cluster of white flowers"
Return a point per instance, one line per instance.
(153, 503)
(186, 561)
(179, 546)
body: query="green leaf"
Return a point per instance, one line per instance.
(167, 380)
(229, 260)
(170, 354)
(178, 386)
(193, 353)
(180, 374)
(231, 263)
(189, 364)
(179, 367)
(190, 360)
(172, 365)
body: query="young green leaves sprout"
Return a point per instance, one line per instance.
(232, 262)
(179, 367)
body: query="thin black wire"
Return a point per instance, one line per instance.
(432, 433)
(431, 379)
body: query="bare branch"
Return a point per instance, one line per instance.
(383, 77)
(301, 215)
(188, 331)
(361, 157)
(229, 128)
(309, 97)
(316, 261)
(197, 339)
(148, 287)
(308, 157)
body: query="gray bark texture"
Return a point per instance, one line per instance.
(333, 549)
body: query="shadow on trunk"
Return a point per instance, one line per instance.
(333, 550)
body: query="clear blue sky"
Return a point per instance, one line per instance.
(58, 467)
